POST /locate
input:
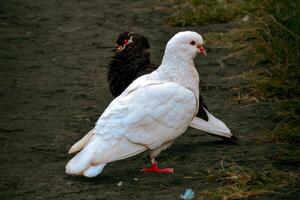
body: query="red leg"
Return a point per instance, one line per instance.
(154, 168)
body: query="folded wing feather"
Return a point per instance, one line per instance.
(141, 118)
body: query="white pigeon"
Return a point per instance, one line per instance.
(132, 60)
(150, 114)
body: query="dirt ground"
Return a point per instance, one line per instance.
(53, 88)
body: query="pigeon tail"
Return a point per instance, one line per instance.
(213, 126)
(93, 170)
(81, 143)
(84, 159)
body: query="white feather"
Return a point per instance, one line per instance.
(93, 170)
(213, 126)
(81, 143)
(143, 119)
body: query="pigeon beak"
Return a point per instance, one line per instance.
(119, 48)
(202, 51)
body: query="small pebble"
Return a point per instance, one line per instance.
(245, 18)
(188, 194)
(120, 184)
(136, 179)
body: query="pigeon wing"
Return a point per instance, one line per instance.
(151, 115)
(141, 118)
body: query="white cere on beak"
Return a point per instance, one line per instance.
(121, 48)
(130, 40)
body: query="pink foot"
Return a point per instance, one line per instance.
(154, 168)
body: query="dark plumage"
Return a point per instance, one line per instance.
(133, 61)
(130, 63)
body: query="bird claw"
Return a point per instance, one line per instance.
(154, 168)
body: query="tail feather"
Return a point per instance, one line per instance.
(91, 160)
(213, 126)
(81, 143)
(84, 158)
(93, 170)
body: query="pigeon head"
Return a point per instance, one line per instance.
(130, 40)
(186, 45)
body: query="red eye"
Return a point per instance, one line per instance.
(125, 42)
(193, 43)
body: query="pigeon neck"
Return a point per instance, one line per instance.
(172, 57)
(179, 69)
